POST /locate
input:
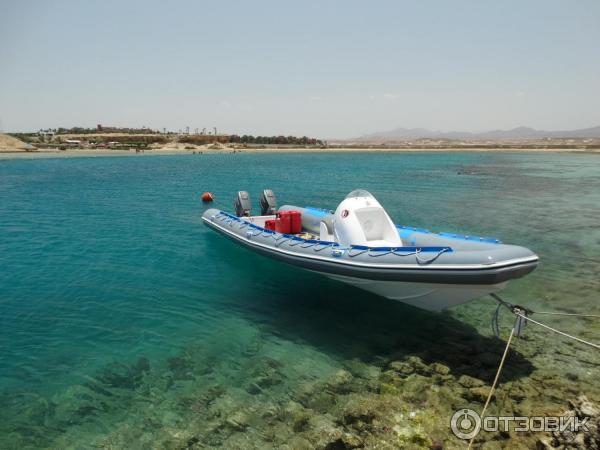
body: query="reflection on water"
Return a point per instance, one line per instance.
(127, 324)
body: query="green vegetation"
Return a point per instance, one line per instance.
(29, 138)
(277, 140)
(143, 137)
(201, 139)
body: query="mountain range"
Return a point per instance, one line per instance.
(515, 133)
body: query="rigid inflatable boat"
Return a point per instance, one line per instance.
(359, 244)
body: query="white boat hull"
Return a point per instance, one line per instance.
(434, 272)
(429, 296)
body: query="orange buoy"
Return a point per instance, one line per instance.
(207, 197)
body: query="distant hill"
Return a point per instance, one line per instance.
(11, 144)
(515, 133)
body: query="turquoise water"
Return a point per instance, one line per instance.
(125, 323)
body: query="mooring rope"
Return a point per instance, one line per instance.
(517, 328)
(490, 395)
(597, 316)
(517, 310)
(512, 308)
(495, 325)
(531, 311)
(558, 331)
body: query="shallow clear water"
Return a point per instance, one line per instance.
(119, 309)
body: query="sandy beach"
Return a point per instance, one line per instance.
(74, 153)
(120, 144)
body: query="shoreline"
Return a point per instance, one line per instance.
(74, 153)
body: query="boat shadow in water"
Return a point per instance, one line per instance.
(347, 323)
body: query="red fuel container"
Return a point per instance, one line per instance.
(270, 225)
(280, 226)
(286, 221)
(295, 222)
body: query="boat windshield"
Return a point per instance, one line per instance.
(359, 193)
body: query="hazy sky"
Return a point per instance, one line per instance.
(320, 68)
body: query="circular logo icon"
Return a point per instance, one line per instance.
(345, 213)
(465, 424)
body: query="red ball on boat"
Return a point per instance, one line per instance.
(207, 197)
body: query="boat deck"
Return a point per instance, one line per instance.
(260, 222)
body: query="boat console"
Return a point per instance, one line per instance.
(361, 220)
